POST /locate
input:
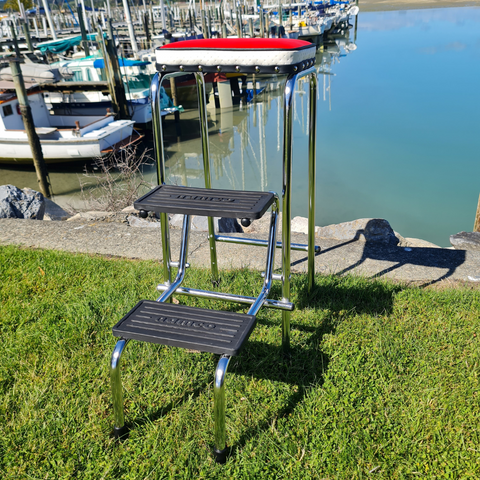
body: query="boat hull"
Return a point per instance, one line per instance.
(18, 151)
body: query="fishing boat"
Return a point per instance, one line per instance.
(63, 137)
(136, 79)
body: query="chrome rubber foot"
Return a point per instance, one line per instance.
(120, 433)
(220, 455)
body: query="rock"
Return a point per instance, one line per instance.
(130, 209)
(262, 225)
(466, 241)
(176, 220)
(16, 203)
(363, 229)
(229, 225)
(90, 216)
(300, 225)
(54, 211)
(200, 224)
(416, 243)
(141, 222)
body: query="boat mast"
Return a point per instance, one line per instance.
(49, 18)
(131, 31)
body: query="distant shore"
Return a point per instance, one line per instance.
(385, 5)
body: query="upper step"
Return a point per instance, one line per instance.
(205, 202)
(186, 327)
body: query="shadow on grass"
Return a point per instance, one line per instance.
(166, 409)
(318, 313)
(305, 365)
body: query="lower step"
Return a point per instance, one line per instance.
(186, 327)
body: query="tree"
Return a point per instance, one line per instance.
(13, 5)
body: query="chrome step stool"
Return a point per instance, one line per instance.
(296, 59)
(201, 329)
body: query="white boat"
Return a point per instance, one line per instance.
(92, 69)
(62, 137)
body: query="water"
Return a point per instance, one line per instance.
(401, 140)
(397, 130)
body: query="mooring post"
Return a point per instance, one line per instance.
(145, 26)
(204, 25)
(14, 40)
(262, 22)
(26, 32)
(33, 140)
(239, 25)
(476, 225)
(83, 31)
(116, 78)
(152, 17)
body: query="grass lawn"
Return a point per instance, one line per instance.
(382, 381)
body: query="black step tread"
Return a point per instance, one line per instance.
(186, 327)
(206, 202)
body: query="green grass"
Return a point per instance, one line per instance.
(382, 381)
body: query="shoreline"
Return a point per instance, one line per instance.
(392, 5)
(363, 255)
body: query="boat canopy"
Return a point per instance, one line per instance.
(59, 46)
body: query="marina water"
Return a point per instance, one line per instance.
(397, 129)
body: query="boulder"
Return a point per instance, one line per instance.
(16, 203)
(363, 229)
(90, 216)
(134, 221)
(299, 225)
(129, 209)
(466, 241)
(416, 243)
(54, 211)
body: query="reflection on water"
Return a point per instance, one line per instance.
(397, 129)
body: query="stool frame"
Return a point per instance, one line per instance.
(286, 194)
(220, 450)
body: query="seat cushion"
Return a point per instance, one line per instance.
(239, 55)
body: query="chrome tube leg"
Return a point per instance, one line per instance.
(270, 263)
(119, 429)
(287, 202)
(161, 176)
(219, 409)
(202, 108)
(182, 264)
(312, 148)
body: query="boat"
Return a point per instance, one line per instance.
(63, 138)
(92, 69)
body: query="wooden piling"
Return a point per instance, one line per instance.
(33, 140)
(209, 23)
(83, 31)
(26, 32)
(117, 83)
(190, 21)
(14, 39)
(145, 27)
(262, 23)
(206, 33)
(239, 27)
(476, 225)
(152, 18)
